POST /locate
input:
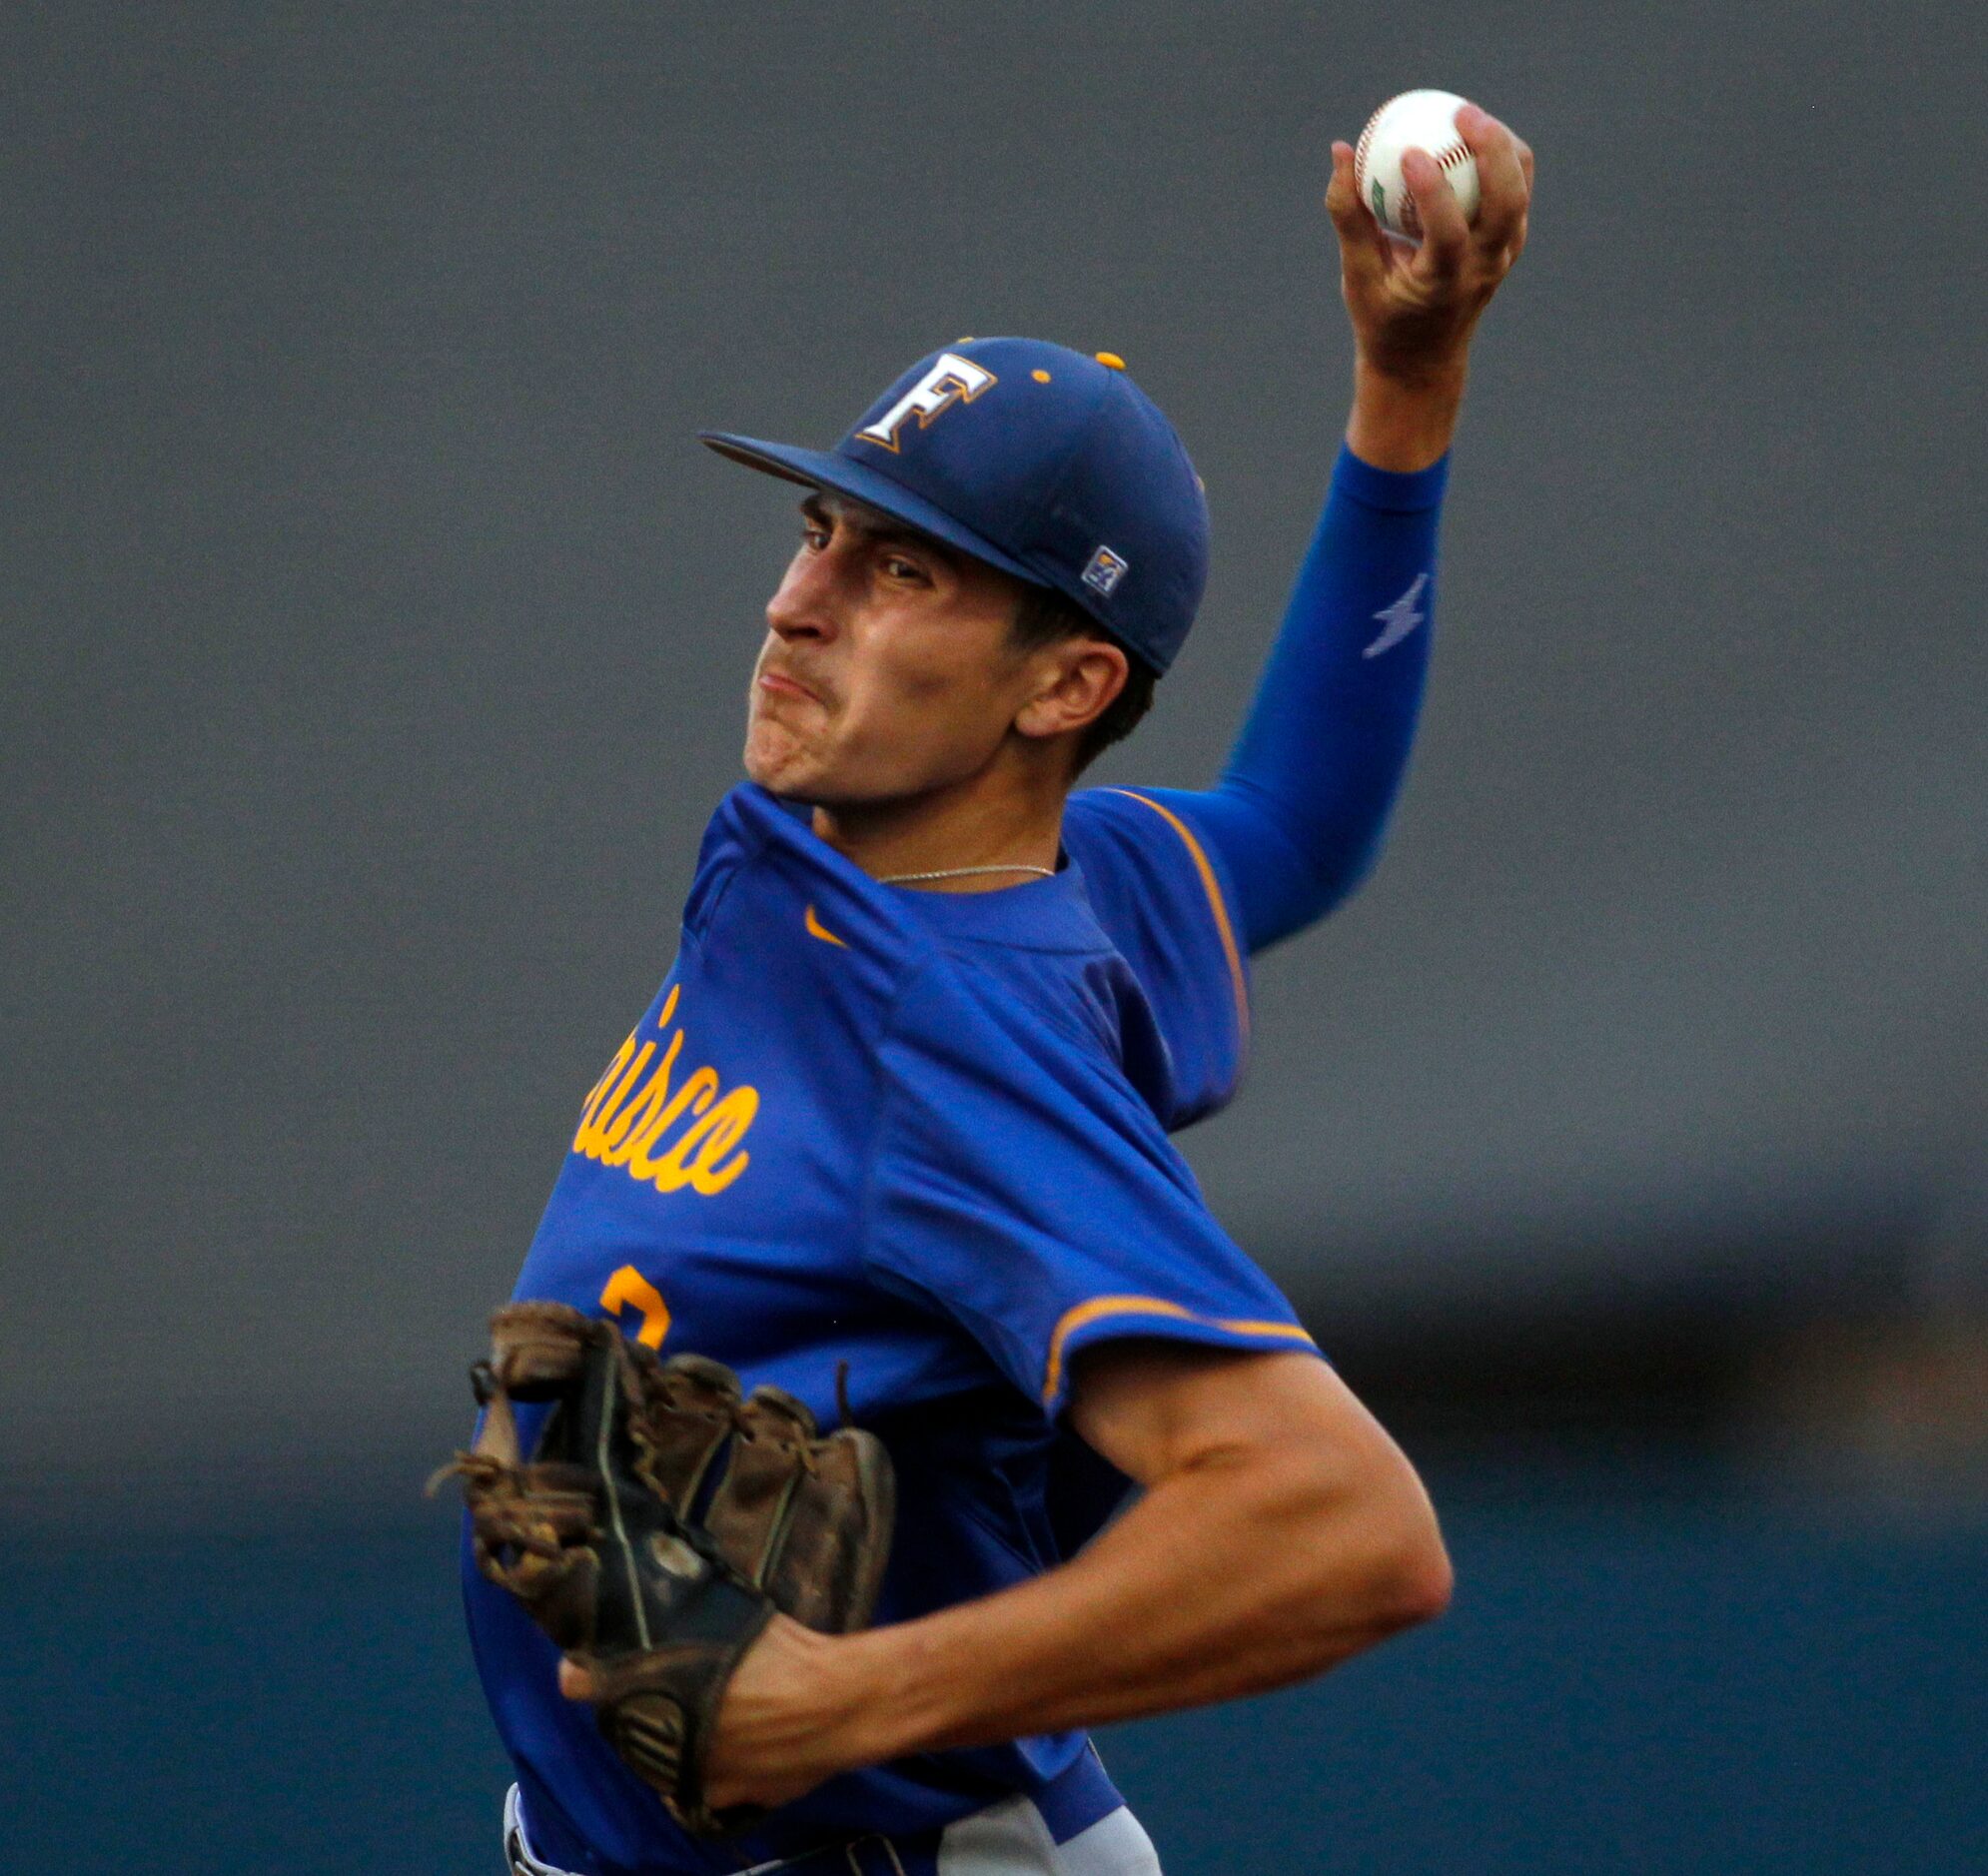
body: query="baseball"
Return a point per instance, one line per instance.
(1417, 120)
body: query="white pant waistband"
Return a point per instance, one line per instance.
(1006, 1839)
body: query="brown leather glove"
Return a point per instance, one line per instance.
(659, 1522)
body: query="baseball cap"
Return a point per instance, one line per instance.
(1052, 465)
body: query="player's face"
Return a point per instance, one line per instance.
(887, 671)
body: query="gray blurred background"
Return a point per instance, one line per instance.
(376, 641)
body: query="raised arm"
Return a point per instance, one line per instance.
(1300, 810)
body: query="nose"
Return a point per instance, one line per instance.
(804, 604)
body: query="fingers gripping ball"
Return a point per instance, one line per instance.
(1416, 120)
(659, 1522)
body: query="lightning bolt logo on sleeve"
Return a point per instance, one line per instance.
(1398, 619)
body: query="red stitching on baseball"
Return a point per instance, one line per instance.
(1449, 158)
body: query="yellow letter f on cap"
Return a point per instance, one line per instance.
(951, 380)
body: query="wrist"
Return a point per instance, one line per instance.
(791, 1704)
(1404, 418)
(847, 1697)
(885, 1697)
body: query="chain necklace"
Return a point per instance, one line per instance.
(961, 872)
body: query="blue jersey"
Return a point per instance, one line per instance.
(923, 1134)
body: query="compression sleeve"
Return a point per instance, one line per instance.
(1300, 810)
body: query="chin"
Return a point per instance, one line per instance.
(773, 761)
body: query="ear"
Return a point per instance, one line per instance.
(1075, 681)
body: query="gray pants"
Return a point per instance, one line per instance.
(1006, 1839)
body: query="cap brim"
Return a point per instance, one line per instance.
(824, 469)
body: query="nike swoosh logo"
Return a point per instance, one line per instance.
(1401, 618)
(816, 929)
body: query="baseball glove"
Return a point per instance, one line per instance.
(659, 1522)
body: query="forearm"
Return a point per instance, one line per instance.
(1222, 1581)
(1229, 1578)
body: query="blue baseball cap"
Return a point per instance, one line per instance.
(1051, 465)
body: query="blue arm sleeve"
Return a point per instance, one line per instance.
(1301, 807)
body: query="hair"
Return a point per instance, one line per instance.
(1045, 617)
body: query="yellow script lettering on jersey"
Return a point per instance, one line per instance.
(626, 1116)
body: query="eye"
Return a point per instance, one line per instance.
(814, 533)
(899, 568)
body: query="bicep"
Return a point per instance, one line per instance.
(1156, 1409)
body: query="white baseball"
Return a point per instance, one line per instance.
(1417, 120)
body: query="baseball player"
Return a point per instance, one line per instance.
(893, 1134)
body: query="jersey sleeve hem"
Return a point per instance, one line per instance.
(1396, 490)
(1109, 1319)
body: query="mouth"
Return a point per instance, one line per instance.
(780, 685)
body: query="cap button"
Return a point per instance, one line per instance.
(1112, 359)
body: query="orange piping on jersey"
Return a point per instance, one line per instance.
(816, 929)
(1212, 886)
(1083, 1314)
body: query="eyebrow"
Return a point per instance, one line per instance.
(874, 524)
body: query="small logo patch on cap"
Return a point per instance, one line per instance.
(1104, 572)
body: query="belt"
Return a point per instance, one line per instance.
(867, 1856)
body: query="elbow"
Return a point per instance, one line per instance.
(1408, 1578)
(1420, 1583)
(1423, 1579)
(1397, 1573)
(1329, 869)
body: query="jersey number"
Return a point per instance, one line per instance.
(629, 1287)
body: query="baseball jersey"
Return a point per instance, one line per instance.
(923, 1134)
